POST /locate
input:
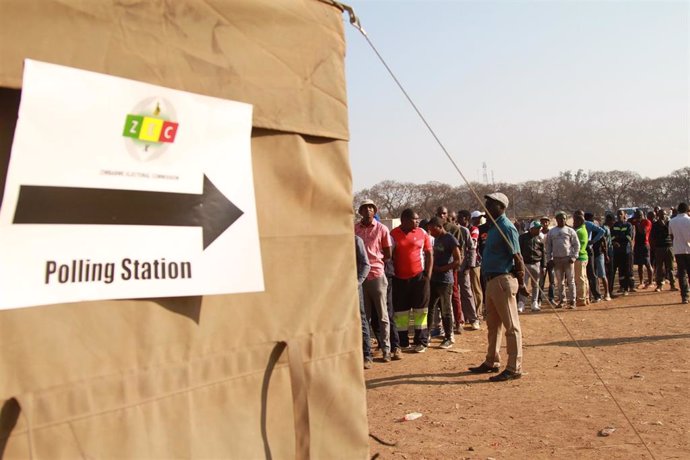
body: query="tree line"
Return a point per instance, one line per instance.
(595, 191)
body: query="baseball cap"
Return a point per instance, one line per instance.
(367, 203)
(535, 224)
(498, 196)
(561, 214)
(476, 214)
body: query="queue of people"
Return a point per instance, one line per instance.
(438, 277)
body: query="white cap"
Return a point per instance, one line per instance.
(476, 214)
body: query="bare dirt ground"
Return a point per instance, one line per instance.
(639, 345)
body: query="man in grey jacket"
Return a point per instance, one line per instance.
(562, 248)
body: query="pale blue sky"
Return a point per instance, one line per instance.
(530, 87)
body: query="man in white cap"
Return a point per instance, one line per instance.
(378, 246)
(505, 273)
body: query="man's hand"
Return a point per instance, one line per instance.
(522, 290)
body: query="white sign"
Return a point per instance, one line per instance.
(122, 189)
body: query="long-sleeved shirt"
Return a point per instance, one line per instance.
(621, 237)
(594, 232)
(562, 242)
(659, 236)
(363, 265)
(532, 249)
(679, 227)
(469, 247)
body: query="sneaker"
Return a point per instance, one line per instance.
(457, 330)
(535, 307)
(505, 375)
(625, 293)
(367, 364)
(570, 306)
(607, 298)
(658, 289)
(397, 354)
(684, 301)
(420, 348)
(446, 344)
(483, 368)
(475, 325)
(633, 289)
(521, 308)
(387, 357)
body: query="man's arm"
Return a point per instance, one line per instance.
(451, 266)
(574, 246)
(597, 234)
(363, 266)
(428, 263)
(387, 253)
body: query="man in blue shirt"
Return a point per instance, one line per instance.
(504, 272)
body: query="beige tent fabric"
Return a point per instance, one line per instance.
(201, 377)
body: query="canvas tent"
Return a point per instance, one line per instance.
(203, 377)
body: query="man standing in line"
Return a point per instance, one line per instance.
(594, 237)
(476, 271)
(469, 251)
(504, 272)
(378, 245)
(481, 243)
(446, 260)
(448, 226)
(468, 269)
(545, 221)
(413, 261)
(661, 241)
(363, 268)
(598, 260)
(609, 222)
(622, 237)
(562, 250)
(641, 256)
(580, 266)
(679, 228)
(534, 258)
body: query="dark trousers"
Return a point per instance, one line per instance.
(411, 295)
(440, 297)
(623, 264)
(683, 264)
(366, 345)
(663, 265)
(593, 282)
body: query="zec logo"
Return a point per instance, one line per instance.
(150, 128)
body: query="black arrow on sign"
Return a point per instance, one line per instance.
(96, 206)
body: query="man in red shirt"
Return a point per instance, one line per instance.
(378, 246)
(641, 252)
(413, 263)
